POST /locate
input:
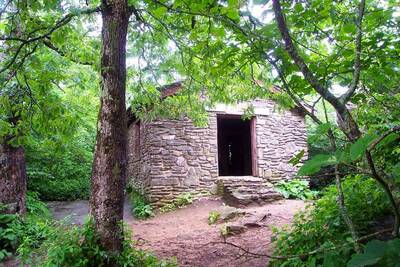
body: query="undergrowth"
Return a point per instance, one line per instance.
(60, 171)
(377, 253)
(320, 226)
(15, 229)
(79, 246)
(141, 207)
(296, 188)
(52, 188)
(37, 240)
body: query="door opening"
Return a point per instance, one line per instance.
(234, 146)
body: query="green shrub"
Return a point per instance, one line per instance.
(321, 226)
(15, 229)
(79, 246)
(213, 217)
(8, 239)
(36, 207)
(50, 188)
(141, 208)
(143, 211)
(58, 169)
(295, 189)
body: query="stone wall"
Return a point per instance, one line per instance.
(175, 157)
(170, 157)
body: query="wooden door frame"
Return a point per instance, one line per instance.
(253, 139)
(253, 144)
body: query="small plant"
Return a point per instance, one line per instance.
(141, 208)
(143, 211)
(213, 217)
(35, 206)
(180, 201)
(168, 207)
(184, 199)
(296, 189)
(224, 231)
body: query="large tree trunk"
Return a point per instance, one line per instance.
(109, 165)
(12, 178)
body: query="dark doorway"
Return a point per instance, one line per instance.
(234, 146)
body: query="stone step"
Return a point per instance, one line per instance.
(260, 189)
(246, 185)
(246, 190)
(238, 200)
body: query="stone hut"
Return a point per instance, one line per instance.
(241, 158)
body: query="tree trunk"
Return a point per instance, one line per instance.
(109, 164)
(12, 178)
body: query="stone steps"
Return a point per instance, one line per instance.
(246, 190)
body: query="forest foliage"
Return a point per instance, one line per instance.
(337, 61)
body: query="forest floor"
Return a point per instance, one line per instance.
(186, 235)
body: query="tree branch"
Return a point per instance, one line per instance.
(302, 256)
(357, 58)
(298, 60)
(383, 136)
(349, 126)
(61, 53)
(60, 23)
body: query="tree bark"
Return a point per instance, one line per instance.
(109, 164)
(12, 178)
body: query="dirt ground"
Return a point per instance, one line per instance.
(186, 234)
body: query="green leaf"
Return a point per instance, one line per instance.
(233, 14)
(160, 11)
(360, 146)
(373, 252)
(233, 3)
(349, 28)
(296, 159)
(396, 172)
(218, 32)
(387, 140)
(298, 7)
(323, 128)
(314, 165)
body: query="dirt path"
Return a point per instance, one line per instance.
(186, 235)
(76, 211)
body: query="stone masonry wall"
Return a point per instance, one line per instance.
(176, 157)
(170, 157)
